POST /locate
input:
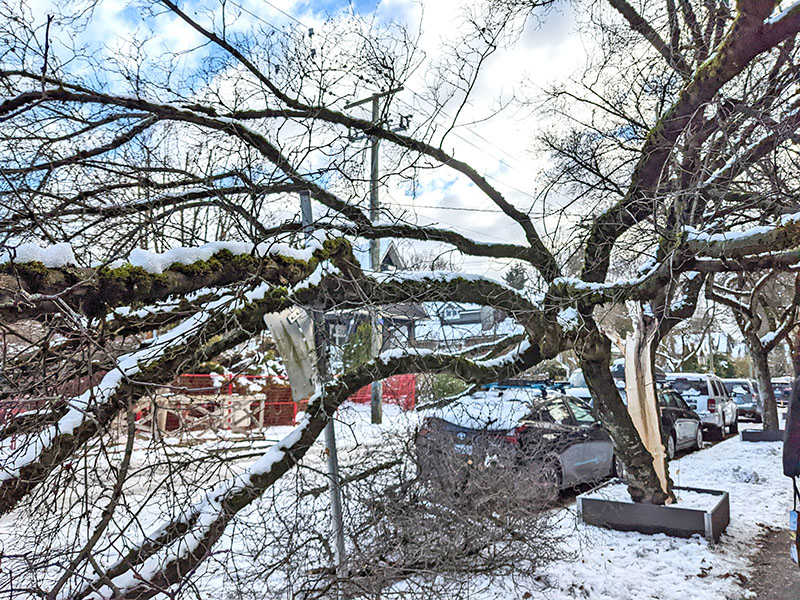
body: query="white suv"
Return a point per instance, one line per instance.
(706, 395)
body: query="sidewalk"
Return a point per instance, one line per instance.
(774, 576)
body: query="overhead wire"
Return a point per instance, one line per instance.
(416, 95)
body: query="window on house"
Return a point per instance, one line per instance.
(450, 313)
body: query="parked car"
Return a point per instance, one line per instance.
(706, 395)
(526, 426)
(745, 394)
(681, 427)
(782, 386)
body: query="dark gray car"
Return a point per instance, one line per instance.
(518, 425)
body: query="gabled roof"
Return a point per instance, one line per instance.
(392, 261)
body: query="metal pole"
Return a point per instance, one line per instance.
(337, 520)
(376, 390)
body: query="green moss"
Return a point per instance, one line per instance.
(33, 273)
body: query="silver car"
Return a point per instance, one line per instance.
(523, 427)
(707, 396)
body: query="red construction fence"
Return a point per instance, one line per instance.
(397, 389)
(238, 402)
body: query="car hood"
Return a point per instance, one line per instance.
(491, 409)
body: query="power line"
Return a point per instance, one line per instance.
(415, 94)
(458, 208)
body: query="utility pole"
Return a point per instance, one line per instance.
(337, 520)
(376, 391)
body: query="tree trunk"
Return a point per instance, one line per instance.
(640, 389)
(594, 351)
(765, 391)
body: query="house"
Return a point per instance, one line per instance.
(397, 322)
(451, 326)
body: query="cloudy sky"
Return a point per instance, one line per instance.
(500, 147)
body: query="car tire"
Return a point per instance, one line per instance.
(734, 428)
(698, 438)
(671, 445)
(717, 433)
(550, 477)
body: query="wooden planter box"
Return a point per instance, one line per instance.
(758, 435)
(649, 518)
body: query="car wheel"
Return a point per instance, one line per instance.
(671, 446)
(735, 425)
(698, 438)
(550, 477)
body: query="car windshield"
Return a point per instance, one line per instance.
(696, 387)
(736, 387)
(782, 390)
(742, 398)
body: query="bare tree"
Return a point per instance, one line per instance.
(126, 150)
(766, 316)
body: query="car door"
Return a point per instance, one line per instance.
(565, 440)
(669, 416)
(689, 421)
(685, 424)
(724, 401)
(597, 447)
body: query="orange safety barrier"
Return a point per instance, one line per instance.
(397, 389)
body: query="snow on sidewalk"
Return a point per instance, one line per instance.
(616, 565)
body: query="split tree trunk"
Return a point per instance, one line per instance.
(640, 389)
(594, 351)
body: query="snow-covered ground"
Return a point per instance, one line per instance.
(631, 566)
(609, 565)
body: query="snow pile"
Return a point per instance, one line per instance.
(747, 476)
(60, 255)
(155, 262)
(492, 409)
(57, 255)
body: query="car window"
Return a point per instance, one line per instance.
(558, 412)
(540, 413)
(732, 385)
(679, 402)
(668, 400)
(696, 387)
(582, 413)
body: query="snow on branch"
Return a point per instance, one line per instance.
(31, 288)
(180, 544)
(738, 244)
(190, 342)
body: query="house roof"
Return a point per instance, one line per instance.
(392, 261)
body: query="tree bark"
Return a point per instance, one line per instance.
(765, 391)
(594, 351)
